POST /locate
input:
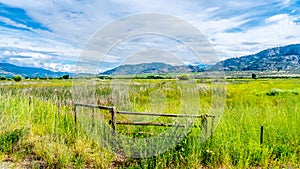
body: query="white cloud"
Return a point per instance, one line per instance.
(274, 34)
(280, 18)
(285, 3)
(72, 23)
(7, 53)
(212, 9)
(13, 23)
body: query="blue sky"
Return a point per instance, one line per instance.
(52, 33)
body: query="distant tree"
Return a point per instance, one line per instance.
(104, 77)
(17, 78)
(254, 76)
(66, 76)
(184, 77)
(155, 77)
(2, 78)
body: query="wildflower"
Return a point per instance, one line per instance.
(210, 152)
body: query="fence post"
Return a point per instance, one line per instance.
(212, 125)
(113, 119)
(93, 117)
(30, 100)
(75, 114)
(205, 126)
(58, 108)
(261, 134)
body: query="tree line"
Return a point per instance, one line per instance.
(18, 78)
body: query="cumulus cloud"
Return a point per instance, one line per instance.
(233, 27)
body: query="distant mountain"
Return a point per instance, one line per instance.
(278, 58)
(9, 70)
(274, 59)
(154, 68)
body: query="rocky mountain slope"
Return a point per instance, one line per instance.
(274, 59)
(9, 70)
(153, 68)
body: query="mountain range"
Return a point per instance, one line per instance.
(273, 59)
(10, 70)
(154, 68)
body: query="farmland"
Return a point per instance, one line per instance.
(37, 127)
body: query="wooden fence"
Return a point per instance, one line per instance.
(113, 111)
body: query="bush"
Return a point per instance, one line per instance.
(184, 77)
(274, 92)
(66, 76)
(2, 78)
(154, 77)
(104, 77)
(7, 139)
(17, 78)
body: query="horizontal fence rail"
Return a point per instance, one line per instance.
(151, 124)
(114, 112)
(163, 115)
(93, 106)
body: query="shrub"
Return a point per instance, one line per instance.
(2, 78)
(274, 92)
(7, 139)
(104, 77)
(184, 77)
(66, 76)
(154, 77)
(17, 78)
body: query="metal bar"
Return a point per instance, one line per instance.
(151, 124)
(94, 106)
(164, 115)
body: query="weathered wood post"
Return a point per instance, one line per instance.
(93, 117)
(30, 100)
(58, 108)
(212, 125)
(75, 115)
(113, 119)
(261, 134)
(205, 126)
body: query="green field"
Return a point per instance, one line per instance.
(37, 127)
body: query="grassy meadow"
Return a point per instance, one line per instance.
(37, 128)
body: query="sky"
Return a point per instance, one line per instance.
(53, 34)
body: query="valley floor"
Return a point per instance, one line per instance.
(37, 127)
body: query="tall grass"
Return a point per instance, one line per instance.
(48, 133)
(45, 130)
